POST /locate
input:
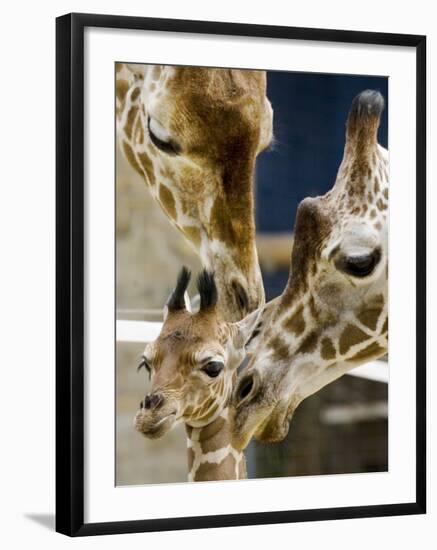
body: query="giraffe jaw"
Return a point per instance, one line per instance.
(266, 411)
(276, 426)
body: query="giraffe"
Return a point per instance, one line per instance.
(333, 314)
(193, 365)
(194, 135)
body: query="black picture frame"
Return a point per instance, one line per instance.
(70, 273)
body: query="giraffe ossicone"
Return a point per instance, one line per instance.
(194, 134)
(193, 365)
(332, 315)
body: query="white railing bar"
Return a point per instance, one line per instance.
(136, 311)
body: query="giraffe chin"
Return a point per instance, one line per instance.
(277, 425)
(152, 427)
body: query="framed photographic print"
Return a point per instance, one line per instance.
(240, 217)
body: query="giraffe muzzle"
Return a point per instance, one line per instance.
(155, 416)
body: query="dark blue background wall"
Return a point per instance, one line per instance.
(310, 112)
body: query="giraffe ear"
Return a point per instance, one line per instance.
(247, 327)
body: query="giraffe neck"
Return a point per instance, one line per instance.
(211, 453)
(132, 122)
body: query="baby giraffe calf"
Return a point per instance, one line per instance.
(193, 365)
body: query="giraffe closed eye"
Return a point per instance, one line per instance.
(160, 139)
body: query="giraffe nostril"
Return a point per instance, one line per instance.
(246, 388)
(241, 297)
(153, 401)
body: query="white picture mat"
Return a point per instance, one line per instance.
(104, 501)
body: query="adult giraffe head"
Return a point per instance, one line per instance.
(194, 135)
(193, 362)
(332, 315)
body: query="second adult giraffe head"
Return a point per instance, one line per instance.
(194, 134)
(332, 315)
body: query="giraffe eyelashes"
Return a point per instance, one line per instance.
(213, 368)
(161, 141)
(359, 266)
(144, 364)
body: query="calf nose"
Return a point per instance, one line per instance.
(152, 401)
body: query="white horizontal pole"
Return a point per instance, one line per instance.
(146, 331)
(137, 331)
(373, 370)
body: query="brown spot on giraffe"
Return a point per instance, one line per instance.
(372, 214)
(373, 350)
(381, 205)
(208, 472)
(313, 308)
(280, 349)
(351, 336)
(135, 93)
(147, 165)
(385, 193)
(371, 312)
(309, 343)
(376, 187)
(296, 322)
(138, 131)
(384, 329)
(130, 155)
(369, 317)
(121, 88)
(208, 442)
(327, 349)
(167, 201)
(133, 111)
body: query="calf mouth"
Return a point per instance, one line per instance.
(153, 428)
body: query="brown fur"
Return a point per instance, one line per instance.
(296, 322)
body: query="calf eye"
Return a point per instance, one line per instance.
(213, 368)
(359, 266)
(168, 147)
